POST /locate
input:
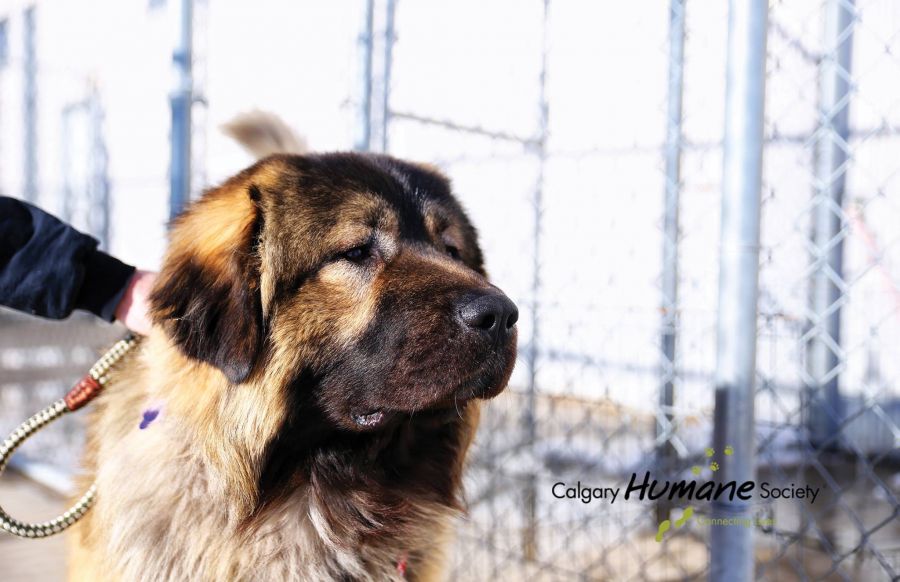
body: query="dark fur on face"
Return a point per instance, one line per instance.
(354, 288)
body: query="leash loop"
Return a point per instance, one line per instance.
(83, 392)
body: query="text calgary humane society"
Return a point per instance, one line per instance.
(684, 489)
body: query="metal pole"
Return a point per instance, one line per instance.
(30, 190)
(540, 150)
(377, 86)
(824, 357)
(181, 100)
(732, 547)
(367, 44)
(529, 539)
(388, 62)
(65, 158)
(665, 451)
(100, 199)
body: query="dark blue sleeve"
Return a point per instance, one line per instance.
(48, 268)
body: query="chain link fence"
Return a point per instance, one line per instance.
(586, 141)
(600, 214)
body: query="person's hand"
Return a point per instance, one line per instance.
(134, 308)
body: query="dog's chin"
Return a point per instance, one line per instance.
(383, 418)
(444, 410)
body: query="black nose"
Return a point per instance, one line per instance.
(489, 311)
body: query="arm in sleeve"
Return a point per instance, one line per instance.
(48, 268)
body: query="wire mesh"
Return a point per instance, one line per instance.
(588, 217)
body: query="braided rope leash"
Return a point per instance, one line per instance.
(82, 393)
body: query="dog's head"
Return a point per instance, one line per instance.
(356, 277)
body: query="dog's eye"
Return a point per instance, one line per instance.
(452, 251)
(358, 254)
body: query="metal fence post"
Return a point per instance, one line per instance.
(377, 60)
(181, 102)
(99, 176)
(367, 49)
(539, 147)
(731, 552)
(30, 191)
(389, 37)
(664, 450)
(530, 532)
(823, 347)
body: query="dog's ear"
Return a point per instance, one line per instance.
(207, 295)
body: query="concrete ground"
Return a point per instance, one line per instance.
(27, 560)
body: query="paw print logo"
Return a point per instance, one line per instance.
(713, 465)
(688, 513)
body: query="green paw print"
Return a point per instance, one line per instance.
(713, 465)
(666, 524)
(663, 528)
(688, 514)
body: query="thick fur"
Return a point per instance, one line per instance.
(300, 298)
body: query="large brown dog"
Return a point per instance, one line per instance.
(304, 405)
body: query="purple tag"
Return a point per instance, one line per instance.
(149, 416)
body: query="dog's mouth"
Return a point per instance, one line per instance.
(439, 414)
(448, 407)
(369, 420)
